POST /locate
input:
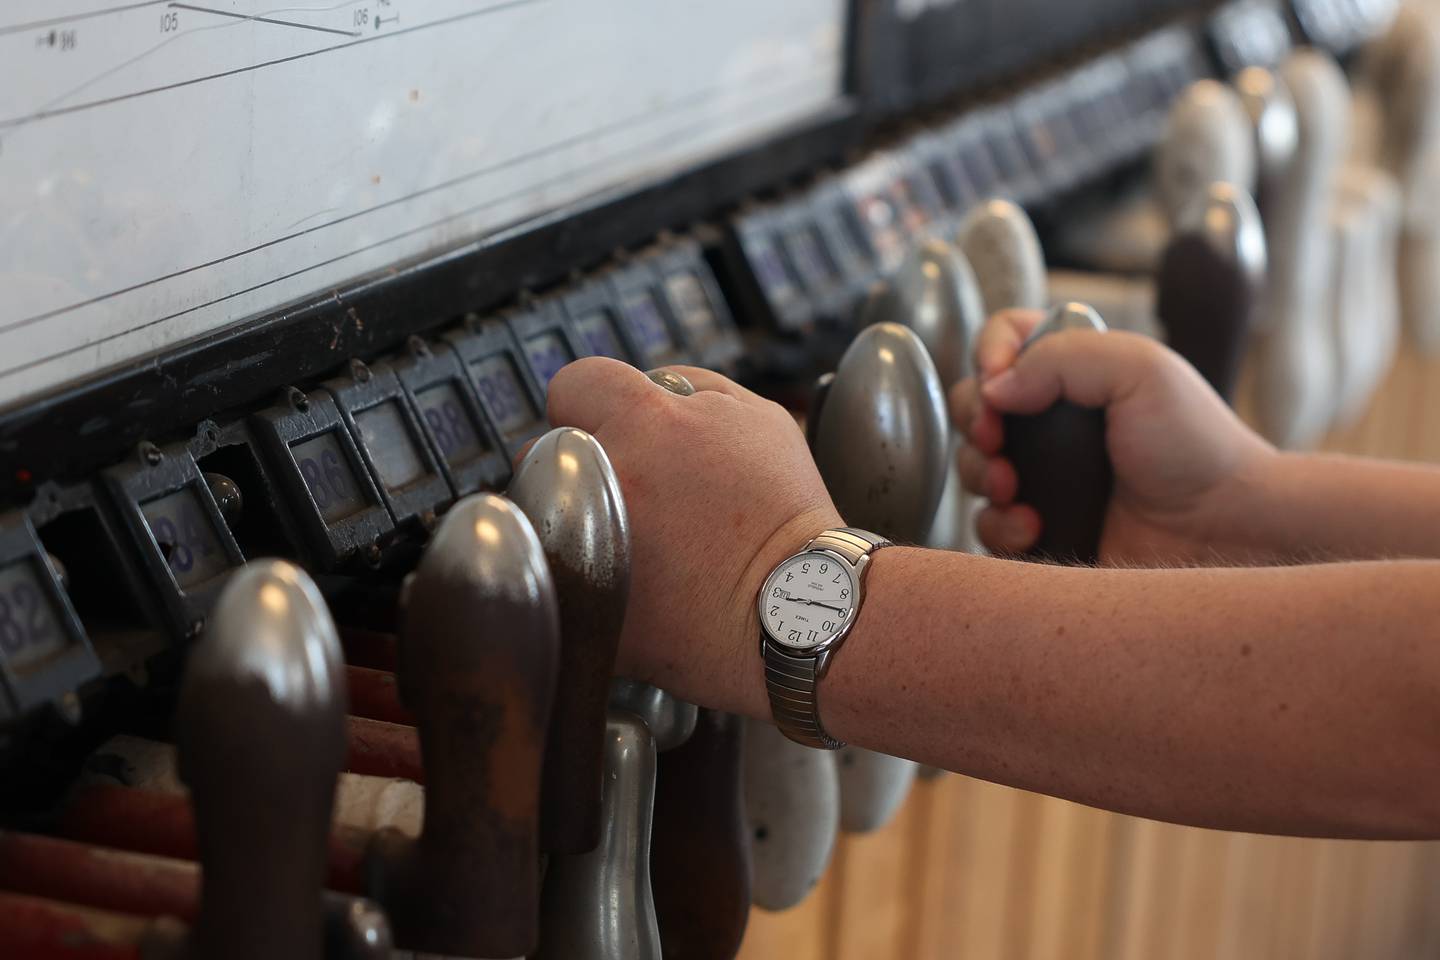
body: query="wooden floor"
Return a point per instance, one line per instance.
(979, 872)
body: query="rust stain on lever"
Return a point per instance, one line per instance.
(700, 848)
(477, 668)
(568, 489)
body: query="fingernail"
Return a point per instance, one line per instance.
(1000, 386)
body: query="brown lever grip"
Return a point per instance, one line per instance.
(260, 741)
(35, 928)
(477, 668)
(700, 847)
(1208, 282)
(568, 489)
(1062, 463)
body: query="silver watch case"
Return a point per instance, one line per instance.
(823, 651)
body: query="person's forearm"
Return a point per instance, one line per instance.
(1293, 700)
(1326, 507)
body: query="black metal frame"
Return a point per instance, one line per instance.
(135, 483)
(365, 389)
(593, 295)
(63, 672)
(426, 366)
(542, 318)
(478, 341)
(720, 346)
(637, 278)
(326, 545)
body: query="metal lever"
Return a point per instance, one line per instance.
(1208, 282)
(1061, 461)
(700, 858)
(477, 663)
(1275, 129)
(1000, 242)
(568, 489)
(936, 294)
(881, 441)
(792, 806)
(1208, 138)
(598, 906)
(1294, 390)
(261, 739)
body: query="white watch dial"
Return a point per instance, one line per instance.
(807, 600)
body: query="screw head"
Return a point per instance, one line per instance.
(297, 399)
(359, 371)
(150, 454)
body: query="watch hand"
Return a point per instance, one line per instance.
(817, 603)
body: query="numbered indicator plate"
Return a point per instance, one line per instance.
(44, 653)
(1018, 175)
(645, 316)
(829, 205)
(766, 270)
(502, 381)
(470, 453)
(322, 478)
(952, 183)
(694, 300)
(396, 450)
(546, 340)
(810, 248)
(595, 319)
(1044, 119)
(870, 186)
(965, 142)
(178, 530)
(916, 196)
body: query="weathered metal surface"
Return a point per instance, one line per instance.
(700, 855)
(478, 658)
(567, 487)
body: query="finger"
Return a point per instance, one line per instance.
(963, 402)
(973, 466)
(590, 392)
(703, 379)
(1002, 337)
(1086, 367)
(1008, 530)
(987, 431)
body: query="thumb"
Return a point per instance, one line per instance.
(1086, 367)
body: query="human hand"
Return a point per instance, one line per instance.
(1182, 459)
(719, 487)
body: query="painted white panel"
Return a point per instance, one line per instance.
(167, 169)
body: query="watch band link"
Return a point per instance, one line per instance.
(791, 680)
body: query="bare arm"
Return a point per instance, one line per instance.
(1324, 506)
(1293, 699)
(1296, 700)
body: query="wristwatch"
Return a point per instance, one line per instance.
(807, 607)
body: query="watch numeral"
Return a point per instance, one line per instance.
(838, 577)
(805, 567)
(794, 636)
(777, 593)
(813, 635)
(774, 611)
(827, 627)
(789, 577)
(845, 594)
(824, 568)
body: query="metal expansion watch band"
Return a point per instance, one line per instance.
(791, 680)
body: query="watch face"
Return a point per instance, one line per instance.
(807, 600)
